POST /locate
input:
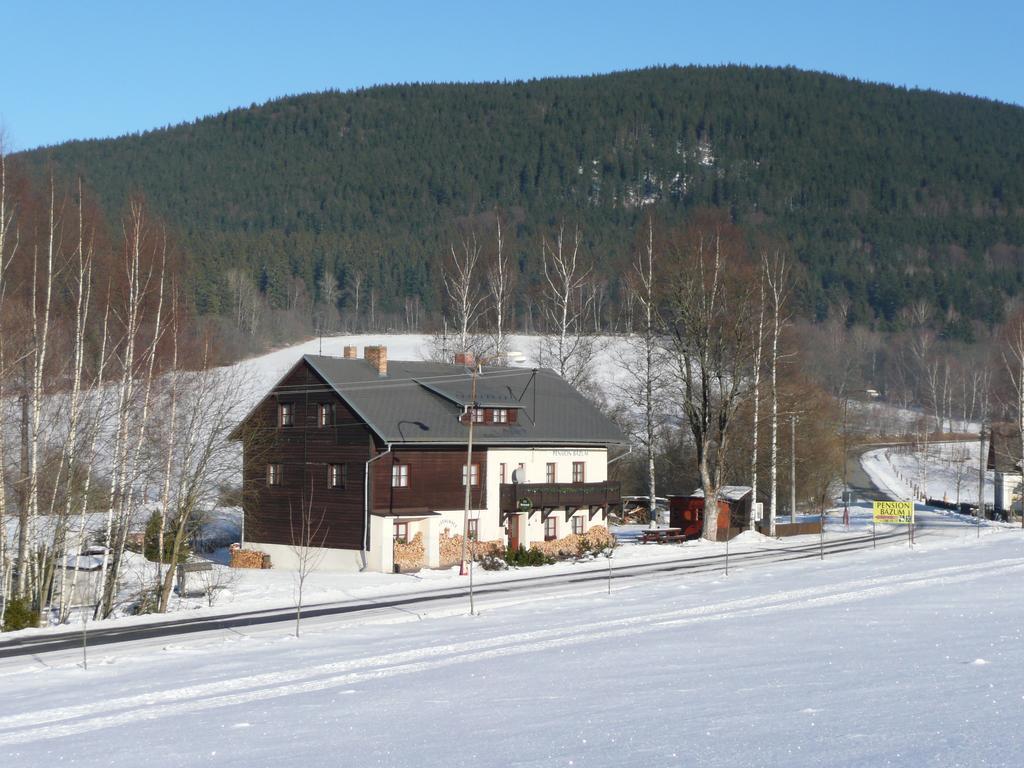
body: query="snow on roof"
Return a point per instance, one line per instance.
(83, 562)
(727, 492)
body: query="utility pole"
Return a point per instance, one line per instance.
(469, 482)
(792, 469)
(846, 458)
(981, 476)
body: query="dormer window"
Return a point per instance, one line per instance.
(501, 415)
(285, 414)
(478, 415)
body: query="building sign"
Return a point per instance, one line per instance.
(575, 453)
(524, 505)
(897, 512)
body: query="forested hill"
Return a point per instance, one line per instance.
(886, 195)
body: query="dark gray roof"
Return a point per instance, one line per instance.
(421, 402)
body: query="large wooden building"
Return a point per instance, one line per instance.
(375, 452)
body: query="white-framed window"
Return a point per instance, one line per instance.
(274, 474)
(285, 414)
(551, 528)
(478, 415)
(550, 473)
(474, 475)
(336, 475)
(577, 525)
(399, 475)
(579, 472)
(323, 414)
(500, 416)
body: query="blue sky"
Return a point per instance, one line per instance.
(94, 69)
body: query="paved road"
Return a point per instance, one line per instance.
(859, 481)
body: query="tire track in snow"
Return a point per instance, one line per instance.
(46, 724)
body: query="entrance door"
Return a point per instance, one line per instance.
(512, 531)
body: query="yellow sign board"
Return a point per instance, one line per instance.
(898, 512)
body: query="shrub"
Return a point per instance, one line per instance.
(19, 615)
(527, 557)
(493, 563)
(144, 601)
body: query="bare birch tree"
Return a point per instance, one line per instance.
(756, 422)
(134, 392)
(8, 246)
(565, 304)
(308, 535)
(711, 350)
(500, 283)
(644, 366)
(777, 276)
(462, 287)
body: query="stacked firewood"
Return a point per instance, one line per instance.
(451, 549)
(598, 536)
(567, 545)
(409, 556)
(249, 558)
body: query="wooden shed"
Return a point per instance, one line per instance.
(735, 503)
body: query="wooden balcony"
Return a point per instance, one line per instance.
(548, 496)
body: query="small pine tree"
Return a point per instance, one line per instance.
(151, 542)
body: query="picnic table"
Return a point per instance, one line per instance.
(661, 535)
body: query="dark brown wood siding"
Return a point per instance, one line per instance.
(304, 451)
(435, 480)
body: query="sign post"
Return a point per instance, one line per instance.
(894, 513)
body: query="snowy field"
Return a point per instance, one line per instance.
(947, 471)
(898, 656)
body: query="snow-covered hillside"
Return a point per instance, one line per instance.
(947, 471)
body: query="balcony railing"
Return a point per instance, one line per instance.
(514, 496)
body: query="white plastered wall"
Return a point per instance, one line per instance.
(535, 461)
(284, 557)
(1008, 491)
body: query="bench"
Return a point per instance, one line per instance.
(662, 536)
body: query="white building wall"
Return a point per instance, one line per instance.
(284, 557)
(535, 461)
(1008, 491)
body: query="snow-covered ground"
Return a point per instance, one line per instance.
(947, 471)
(898, 656)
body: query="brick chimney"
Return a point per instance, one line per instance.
(465, 358)
(351, 352)
(378, 358)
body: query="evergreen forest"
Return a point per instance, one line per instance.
(887, 197)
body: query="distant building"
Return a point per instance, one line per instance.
(1004, 458)
(378, 449)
